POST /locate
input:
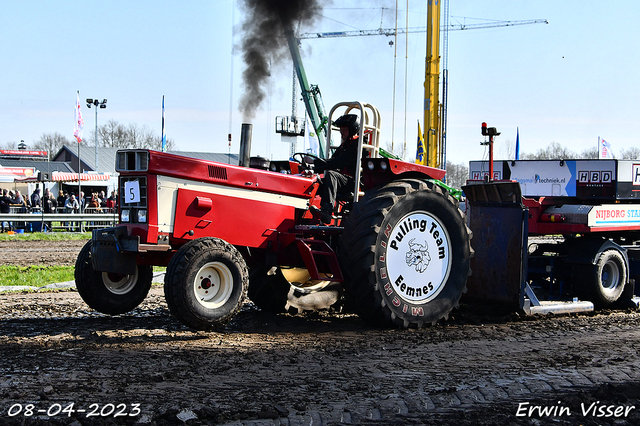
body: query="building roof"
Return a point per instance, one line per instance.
(107, 157)
(210, 156)
(43, 166)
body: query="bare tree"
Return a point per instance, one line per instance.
(113, 135)
(400, 150)
(156, 143)
(554, 151)
(51, 142)
(116, 135)
(632, 153)
(590, 153)
(457, 174)
(507, 150)
(9, 145)
(138, 136)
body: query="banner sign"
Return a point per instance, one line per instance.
(23, 152)
(17, 171)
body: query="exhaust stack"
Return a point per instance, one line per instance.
(245, 144)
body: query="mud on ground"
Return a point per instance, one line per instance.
(478, 368)
(45, 253)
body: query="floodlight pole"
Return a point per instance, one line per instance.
(97, 104)
(95, 138)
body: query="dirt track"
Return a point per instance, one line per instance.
(45, 253)
(478, 368)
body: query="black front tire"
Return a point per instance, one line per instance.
(406, 253)
(206, 283)
(109, 293)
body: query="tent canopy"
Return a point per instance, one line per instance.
(73, 177)
(67, 177)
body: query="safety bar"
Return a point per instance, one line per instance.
(371, 129)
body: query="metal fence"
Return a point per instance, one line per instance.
(36, 220)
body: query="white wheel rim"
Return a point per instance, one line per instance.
(119, 284)
(610, 277)
(418, 257)
(213, 284)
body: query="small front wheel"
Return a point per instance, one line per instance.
(107, 292)
(206, 283)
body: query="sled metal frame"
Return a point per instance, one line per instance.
(531, 305)
(496, 205)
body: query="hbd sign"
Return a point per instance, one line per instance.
(594, 176)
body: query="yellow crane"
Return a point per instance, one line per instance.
(435, 113)
(435, 119)
(432, 134)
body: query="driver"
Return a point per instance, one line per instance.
(340, 169)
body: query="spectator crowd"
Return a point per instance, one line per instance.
(66, 202)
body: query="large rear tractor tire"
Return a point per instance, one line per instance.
(270, 291)
(604, 282)
(110, 293)
(405, 252)
(206, 283)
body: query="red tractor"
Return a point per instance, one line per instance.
(397, 250)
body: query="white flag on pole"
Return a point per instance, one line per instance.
(604, 149)
(311, 138)
(79, 122)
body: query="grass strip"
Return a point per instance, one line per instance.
(47, 236)
(40, 276)
(35, 275)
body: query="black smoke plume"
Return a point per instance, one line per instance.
(264, 46)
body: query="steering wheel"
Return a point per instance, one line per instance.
(303, 159)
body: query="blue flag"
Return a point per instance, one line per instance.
(164, 137)
(517, 143)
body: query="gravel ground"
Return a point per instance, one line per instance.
(64, 364)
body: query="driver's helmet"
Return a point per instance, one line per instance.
(350, 121)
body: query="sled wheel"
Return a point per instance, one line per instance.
(604, 282)
(270, 291)
(107, 292)
(206, 283)
(406, 253)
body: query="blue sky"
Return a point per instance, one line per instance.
(570, 81)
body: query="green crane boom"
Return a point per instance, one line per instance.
(310, 94)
